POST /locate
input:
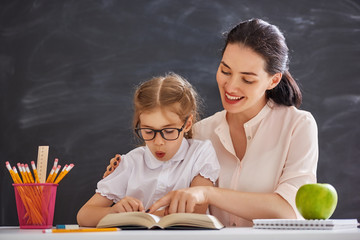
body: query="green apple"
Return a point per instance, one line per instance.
(316, 200)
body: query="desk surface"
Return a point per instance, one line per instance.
(11, 233)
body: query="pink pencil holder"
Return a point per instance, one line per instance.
(35, 204)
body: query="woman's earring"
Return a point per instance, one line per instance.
(186, 134)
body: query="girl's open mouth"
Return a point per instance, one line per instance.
(159, 154)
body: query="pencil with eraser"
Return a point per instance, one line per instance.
(35, 172)
(17, 175)
(55, 174)
(29, 173)
(50, 174)
(11, 171)
(67, 170)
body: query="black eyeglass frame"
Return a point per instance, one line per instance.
(138, 130)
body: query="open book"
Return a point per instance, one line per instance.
(305, 224)
(141, 220)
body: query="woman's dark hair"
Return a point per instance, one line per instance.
(267, 40)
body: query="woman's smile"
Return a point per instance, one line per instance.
(231, 99)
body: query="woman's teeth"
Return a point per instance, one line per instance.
(232, 97)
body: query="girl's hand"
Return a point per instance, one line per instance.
(182, 201)
(114, 162)
(128, 204)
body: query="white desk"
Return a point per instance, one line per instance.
(11, 233)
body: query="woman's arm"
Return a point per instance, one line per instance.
(179, 204)
(201, 181)
(253, 205)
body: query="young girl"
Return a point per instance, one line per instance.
(165, 110)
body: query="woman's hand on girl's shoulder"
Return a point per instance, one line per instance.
(128, 204)
(114, 162)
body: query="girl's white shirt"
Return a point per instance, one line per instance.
(142, 176)
(281, 154)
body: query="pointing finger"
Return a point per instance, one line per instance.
(164, 201)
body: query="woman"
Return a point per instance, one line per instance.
(266, 146)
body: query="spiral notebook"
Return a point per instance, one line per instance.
(305, 224)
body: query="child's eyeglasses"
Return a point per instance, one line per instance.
(170, 134)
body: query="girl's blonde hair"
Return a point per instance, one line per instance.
(170, 91)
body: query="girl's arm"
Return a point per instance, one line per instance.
(253, 205)
(98, 206)
(94, 209)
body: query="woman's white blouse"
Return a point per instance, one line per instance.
(281, 154)
(142, 176)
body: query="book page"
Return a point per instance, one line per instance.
(128, 219)
(156, 218)
(190, 220)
